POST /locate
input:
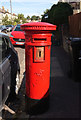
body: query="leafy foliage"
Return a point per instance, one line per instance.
(46, 11)
(5, 20)
(16, 21)
(58, 14)
(19, 20)
(20, 16)
(28, 17)
(45, 16)
(34, 17)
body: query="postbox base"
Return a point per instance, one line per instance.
(33, 106)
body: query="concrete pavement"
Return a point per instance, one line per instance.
(64, 92)
(21, 55)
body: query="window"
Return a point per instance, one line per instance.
(8, 25)
(75, 5)
(17, 28)
(5, 48)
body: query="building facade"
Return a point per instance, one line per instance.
(76, 5)
(4, 12)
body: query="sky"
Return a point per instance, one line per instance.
(28, 7)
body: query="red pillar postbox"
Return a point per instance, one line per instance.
(37, 59)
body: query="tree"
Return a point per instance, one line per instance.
(45, 16)
(58, 14)
(33, 17)
(21, 18)
(28, 17)
(16, 21)
(37, 17)
(46, 11)
(5, 20)
(24, 20)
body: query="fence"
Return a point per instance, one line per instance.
(75, 25)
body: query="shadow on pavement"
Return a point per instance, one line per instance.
(17, 105)
(65, 94)
(19, 46)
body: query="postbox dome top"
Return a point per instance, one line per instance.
(38, 26)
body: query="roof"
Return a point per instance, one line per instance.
(69, 1)
(5, 11)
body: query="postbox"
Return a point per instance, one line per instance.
(37, 60)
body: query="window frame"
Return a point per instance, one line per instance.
(8, 45)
